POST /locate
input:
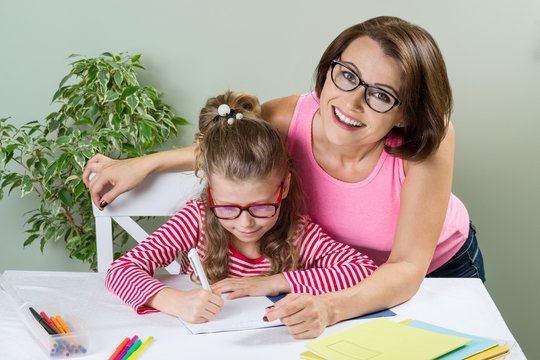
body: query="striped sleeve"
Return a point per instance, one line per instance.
(130, 276)
(325, 264)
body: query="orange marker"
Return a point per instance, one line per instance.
(63, 323)
(58, 325)
(119, 348)
(49, 321)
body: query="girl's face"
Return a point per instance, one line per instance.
(247, 229)
(346, 118)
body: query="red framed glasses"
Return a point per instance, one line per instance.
(233, 211)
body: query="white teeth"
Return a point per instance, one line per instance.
(346, 120)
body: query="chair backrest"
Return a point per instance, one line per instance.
(160, 194)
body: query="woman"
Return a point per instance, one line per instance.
(374, 149)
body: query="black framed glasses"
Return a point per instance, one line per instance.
(233, 211)
(347, 79)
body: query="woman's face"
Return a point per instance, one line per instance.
(346, 118)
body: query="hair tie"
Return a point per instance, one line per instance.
(225, 111)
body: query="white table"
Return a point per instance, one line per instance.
(460, 304)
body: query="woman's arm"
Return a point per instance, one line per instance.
(114, 177)
(279, 113)
(324, 266)
(424, 202)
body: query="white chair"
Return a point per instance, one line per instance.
(160, 194)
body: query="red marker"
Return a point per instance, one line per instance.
(49, 321)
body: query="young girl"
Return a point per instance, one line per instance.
(247, 225)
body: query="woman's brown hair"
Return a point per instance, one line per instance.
(249, 148)
(425, 94)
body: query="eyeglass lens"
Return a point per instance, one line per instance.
(347, 80)
(232, 212)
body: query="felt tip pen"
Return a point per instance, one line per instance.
(141, 348)
(48, 321)
(132, 349)
(195, 261)
(126, 348)
(119, 348)
(42, 322)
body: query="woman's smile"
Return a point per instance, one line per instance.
(343, 119)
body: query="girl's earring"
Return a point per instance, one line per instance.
(399, 124)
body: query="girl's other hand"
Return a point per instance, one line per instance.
(305, 315)
(252, 286)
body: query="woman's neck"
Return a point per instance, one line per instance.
(349, 163)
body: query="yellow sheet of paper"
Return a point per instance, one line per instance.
(308, 355)
(383, 339)
(490, 354)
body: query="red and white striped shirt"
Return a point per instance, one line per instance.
(324, 265)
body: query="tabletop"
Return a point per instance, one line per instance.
(460, 304)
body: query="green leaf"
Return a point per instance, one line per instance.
(80, 189)
(111, 96)
(30, 239)
(58, 93)
(179, 121)
(103, 77)
(66, 198)
(129, 91)
(79, 160)
(49, 233)
(146, 130)
(92, 74)
(118, 78)
(84, 121)
(132, 102)
(50, 172)
(61, 140)
(135, 58)
(108, 54)
(27, 186)
(66, 78)
(71, 178)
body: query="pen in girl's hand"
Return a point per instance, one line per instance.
(198, 269)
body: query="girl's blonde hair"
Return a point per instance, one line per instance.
(246, 149)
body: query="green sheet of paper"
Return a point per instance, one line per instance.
(383, 339)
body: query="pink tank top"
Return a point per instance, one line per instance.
(363, 214)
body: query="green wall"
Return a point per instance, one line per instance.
(193, 50)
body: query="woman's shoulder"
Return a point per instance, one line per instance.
(279, 112)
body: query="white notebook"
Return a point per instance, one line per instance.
(238, 314)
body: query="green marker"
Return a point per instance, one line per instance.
(132, 349)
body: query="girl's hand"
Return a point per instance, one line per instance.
(305, 315)
(111, 177)
(199, 306)
(252, 286)
(195, 306)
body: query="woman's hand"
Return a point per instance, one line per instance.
(195, 306)
(252, 286)
(112, 177)
(305, 315)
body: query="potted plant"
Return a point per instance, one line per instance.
(102, 108)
